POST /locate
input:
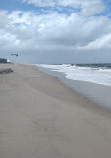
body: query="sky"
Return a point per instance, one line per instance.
(56, 31)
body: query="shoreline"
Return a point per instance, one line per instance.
(97, 93)
(42, 117)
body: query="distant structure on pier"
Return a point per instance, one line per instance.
(15, 55)
(3, 60)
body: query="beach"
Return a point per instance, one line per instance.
(40, 117)
(98, 93)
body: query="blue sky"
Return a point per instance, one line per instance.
(54, 31)
(13, 5)
(23, 6)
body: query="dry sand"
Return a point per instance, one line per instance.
(42, 118)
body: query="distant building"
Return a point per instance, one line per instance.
(9, 61)
(2, 60)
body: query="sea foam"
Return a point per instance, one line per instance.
(96, 73)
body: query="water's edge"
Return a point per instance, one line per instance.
(99, 94)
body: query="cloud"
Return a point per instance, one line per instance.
(102, 42)
(53, 29)
(35, 33)
(41, 3)
(86, 7)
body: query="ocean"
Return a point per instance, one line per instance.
(91, 80)
(96, 73)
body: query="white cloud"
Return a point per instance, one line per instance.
(32, 32)
(102, 42)
(54, 29)
(86, 7)
(41, 3)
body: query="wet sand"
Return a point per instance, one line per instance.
(98, 93)
(42, 118)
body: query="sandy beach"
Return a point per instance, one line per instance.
(40, 117)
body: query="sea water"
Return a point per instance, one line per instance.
(96, 80)
(96, 73)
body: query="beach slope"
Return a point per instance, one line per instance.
(42, 118)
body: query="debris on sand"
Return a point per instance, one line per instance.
(5, 71)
